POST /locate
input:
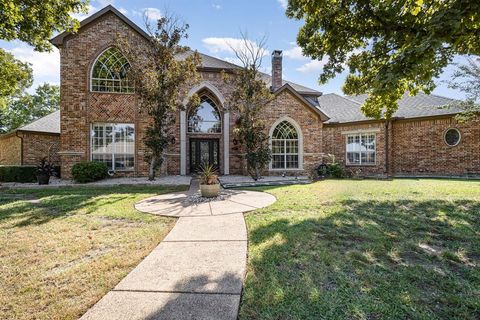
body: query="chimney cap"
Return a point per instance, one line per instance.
(277, 53)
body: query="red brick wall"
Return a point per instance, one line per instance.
(334, 142)
(420, 149)
(80, 107)
(35, 147)
(10, 150)
(416, 148)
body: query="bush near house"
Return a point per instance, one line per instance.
(89, 171)
(17, 174)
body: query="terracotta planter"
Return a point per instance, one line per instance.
(210, 190)
(43, 178)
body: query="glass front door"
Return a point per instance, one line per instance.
(203, 151)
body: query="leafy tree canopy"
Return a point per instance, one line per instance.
(35, 22)
(15, 76)
(389, 46)
(28, 107)
(249, 96)
(163, 75)
(467, 79)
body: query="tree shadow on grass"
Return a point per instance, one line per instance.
(368, 260)
(59, 203)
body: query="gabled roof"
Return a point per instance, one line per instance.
(208, 62)
(58, 40)
(343, 109)
(314, 108)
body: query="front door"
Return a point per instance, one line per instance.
(203, 151)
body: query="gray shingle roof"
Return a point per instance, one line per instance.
(215, 63)
(48, 124)
(347, 109)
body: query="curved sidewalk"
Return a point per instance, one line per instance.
(197, 271)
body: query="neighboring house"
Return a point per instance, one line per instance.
(101, 119)
(30, 143)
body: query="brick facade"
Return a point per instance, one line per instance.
(27, 148)
(416, 147)
(10, 150)
(404, 147)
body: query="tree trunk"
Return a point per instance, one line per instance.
(151, 170)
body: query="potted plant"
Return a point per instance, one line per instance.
(44, 171)
(209, 184)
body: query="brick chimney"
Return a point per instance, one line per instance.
(276, 69)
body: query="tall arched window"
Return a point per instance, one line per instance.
(205, 118)
(110, 73)
(285, 146)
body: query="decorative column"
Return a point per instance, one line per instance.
(183, 143)
(226, 143)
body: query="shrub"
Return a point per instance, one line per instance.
(89, 171)
(18, 174)
(335, 170)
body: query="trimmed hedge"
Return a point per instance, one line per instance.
(89, 171)
(18, 174)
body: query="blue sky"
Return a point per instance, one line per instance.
(213, 24)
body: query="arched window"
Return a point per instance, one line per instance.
(285, 146)
(205, 117)
(110, 73)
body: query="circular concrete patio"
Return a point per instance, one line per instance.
(183, 204)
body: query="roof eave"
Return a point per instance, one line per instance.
(58, 40)
(288, 87)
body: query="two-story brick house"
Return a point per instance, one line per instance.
(101, 119)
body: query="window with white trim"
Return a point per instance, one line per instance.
(285, 146)
(361, 149)
(114, 144)
(110, 73)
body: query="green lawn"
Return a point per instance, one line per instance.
(342, 249)
(61, 250)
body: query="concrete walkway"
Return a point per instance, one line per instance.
(197, 272)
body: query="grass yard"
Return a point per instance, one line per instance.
(61, 250)
(342, 249)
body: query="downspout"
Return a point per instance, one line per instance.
(21, 147)
(387, 147)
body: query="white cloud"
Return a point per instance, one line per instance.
(81, 16)
(313, 66)
(230, 45)
(294, 53)
(44, 64)
(216, 6)
(283, 3)
(123, 10)
(104, 3)
(152, 13)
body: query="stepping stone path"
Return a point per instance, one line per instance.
(197, 271)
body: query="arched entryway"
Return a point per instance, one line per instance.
(204, 131)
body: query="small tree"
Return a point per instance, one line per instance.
(249, 96)
(467, 79)
(162, 78)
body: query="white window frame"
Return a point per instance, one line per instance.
(360, 134)
(113, 80)
(445, 137)
(300, 145)
(105, 124)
